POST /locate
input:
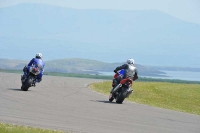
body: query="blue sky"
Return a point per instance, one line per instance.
(187, 10)
(169, 48)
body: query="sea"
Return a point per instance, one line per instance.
(180, 75)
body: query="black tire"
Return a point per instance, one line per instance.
(27, 84)
(121, 96)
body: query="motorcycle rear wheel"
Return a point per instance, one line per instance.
(25, 86)
(121, 96)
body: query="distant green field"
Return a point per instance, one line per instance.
(174, 96)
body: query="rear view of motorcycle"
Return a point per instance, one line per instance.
(122, 90)
(29, 78)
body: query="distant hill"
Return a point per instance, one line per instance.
(75, 65)
(150, 37)
(87, 66)
(12, 64)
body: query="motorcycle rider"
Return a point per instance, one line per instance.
(37, 61)
(130, 72)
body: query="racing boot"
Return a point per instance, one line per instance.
(23, 77)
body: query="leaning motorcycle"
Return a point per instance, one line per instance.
(29, 79)
(122, 90)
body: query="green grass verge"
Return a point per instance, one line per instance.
(9, 128)
(173, 96)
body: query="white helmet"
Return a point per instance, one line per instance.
(130, 61)
(38, 55)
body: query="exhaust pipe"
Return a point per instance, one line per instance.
(117, 87)
(129, 91)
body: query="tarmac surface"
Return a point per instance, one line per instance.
(67, 104)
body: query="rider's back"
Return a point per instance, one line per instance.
(130, 71)
(36, 61)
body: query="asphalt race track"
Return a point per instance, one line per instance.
(67, 104)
